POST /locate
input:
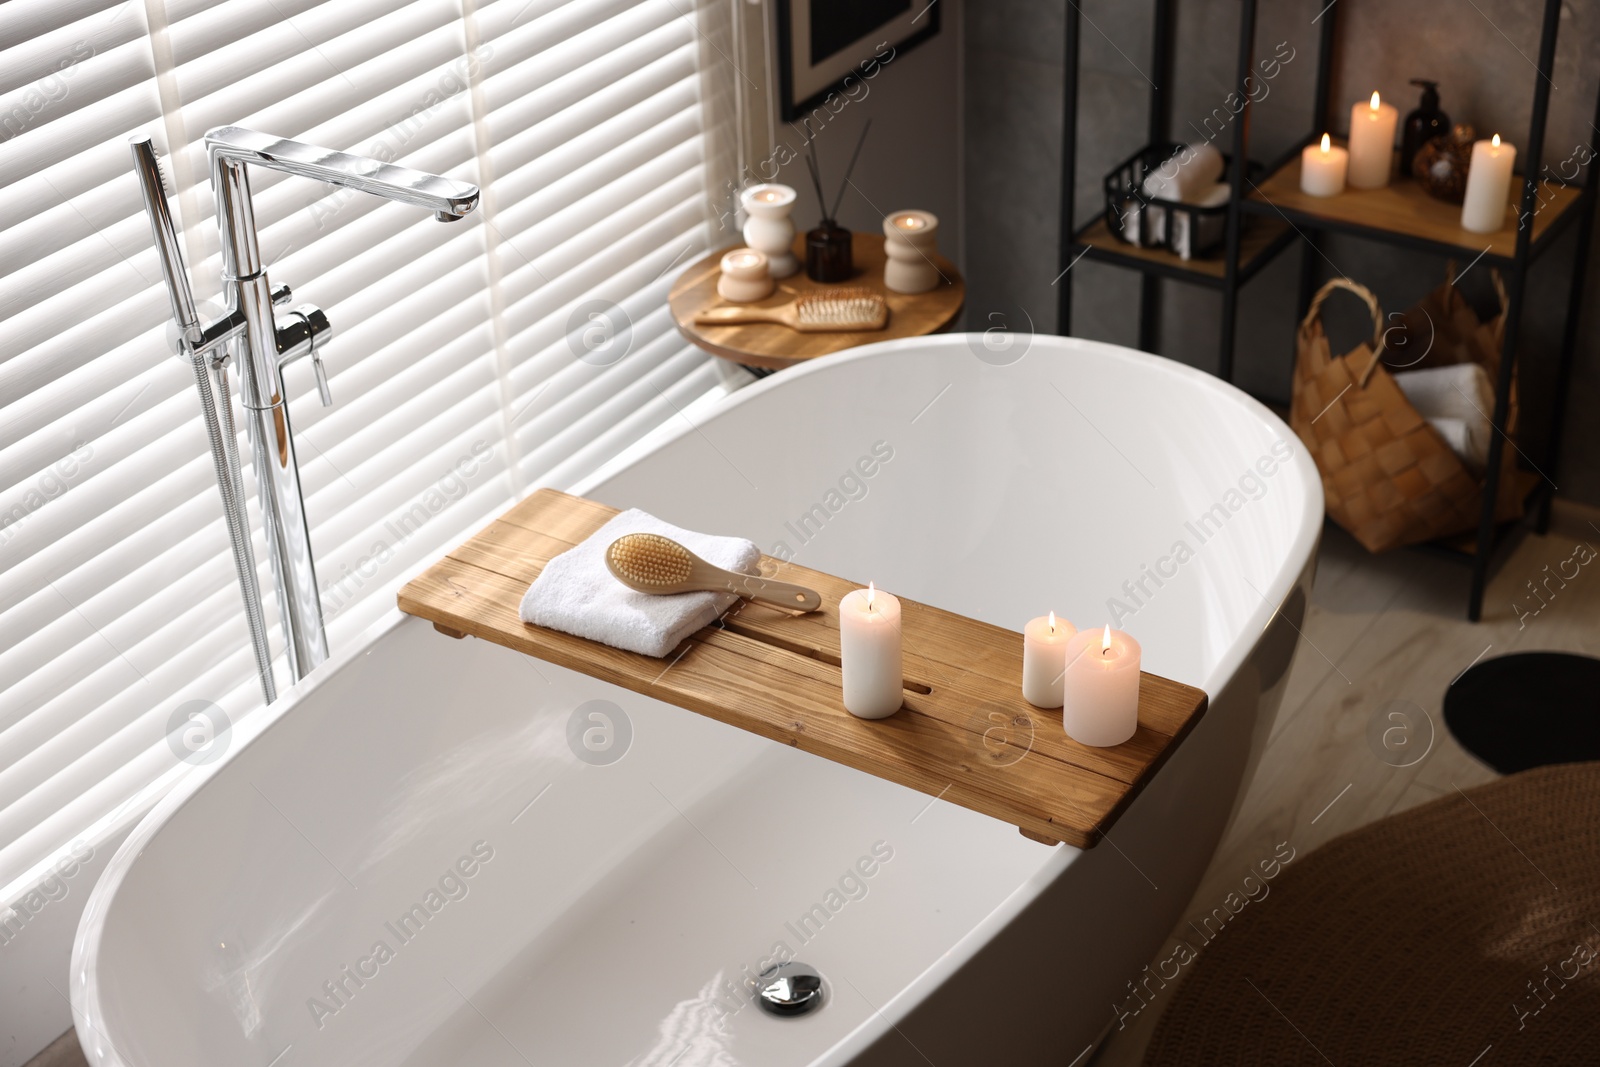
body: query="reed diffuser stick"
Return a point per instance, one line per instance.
(816, 175)
(850, 169)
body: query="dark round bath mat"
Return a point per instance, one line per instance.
(1469, 924)
(1529, 709)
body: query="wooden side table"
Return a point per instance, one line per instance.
(773, 347)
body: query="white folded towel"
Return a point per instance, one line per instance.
(1461, 392)
(1187, 176)
(577, 594)
(1454, 432)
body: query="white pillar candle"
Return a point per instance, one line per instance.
(767, 227)
(1044, 657)
(1371, 143)
(745, 276)
(869, 653)
(1101, 688)
(1483, 209)
(1322, 168)
(910, 240)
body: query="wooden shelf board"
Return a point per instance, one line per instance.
(776, 674)
(1402, 209)
(1259, 234)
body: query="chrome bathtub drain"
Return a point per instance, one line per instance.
(789, 989)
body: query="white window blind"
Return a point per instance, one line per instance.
(455, 370)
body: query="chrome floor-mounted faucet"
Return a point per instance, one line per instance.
(261, 342)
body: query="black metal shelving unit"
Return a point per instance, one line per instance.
(1274, 227)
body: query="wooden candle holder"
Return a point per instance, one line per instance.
(965, 734)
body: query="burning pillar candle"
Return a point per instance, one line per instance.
(1371, 143)
(910, 240)
(1101, 688)
(869, 653)
(1483, 209)
(744, 277)
(1322, 168)
(768, 228)
(1044, 657)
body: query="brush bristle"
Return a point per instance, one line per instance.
(851, 306)
(650, 559)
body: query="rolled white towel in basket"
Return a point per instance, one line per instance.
(1457, 400)
(577, 594)
(1188, 176)
(1209, 227)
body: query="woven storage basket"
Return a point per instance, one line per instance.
(1388, 477)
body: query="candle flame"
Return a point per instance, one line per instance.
(1374, 104)
(1105, 642)
(1326, 144)
(1052, 622)
(1495, 140)
(769, 196)
(908, 222)
(872, 591)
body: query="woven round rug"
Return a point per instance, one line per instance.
(1465, 932)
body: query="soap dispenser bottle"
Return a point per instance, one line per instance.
(1422, 125)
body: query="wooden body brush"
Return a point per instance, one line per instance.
(651, 563)
(824, 311)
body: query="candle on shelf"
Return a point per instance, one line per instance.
(1483, 209)
(869, 653)
(1371, 143)
(1322, 169)
(1101, 687)
(1044, 657)
(745, 276)
(911, 238)
(767, 227)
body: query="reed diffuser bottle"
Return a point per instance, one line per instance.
(828, 256)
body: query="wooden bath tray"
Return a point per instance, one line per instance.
(965, 734)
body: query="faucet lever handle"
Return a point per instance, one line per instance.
(301, 332)
(320, 372)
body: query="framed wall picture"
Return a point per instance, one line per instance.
(821, 42)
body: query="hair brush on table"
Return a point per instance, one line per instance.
(823, 311)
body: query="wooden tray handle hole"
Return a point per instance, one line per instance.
(800, 648)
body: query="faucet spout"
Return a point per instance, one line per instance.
(441, 195)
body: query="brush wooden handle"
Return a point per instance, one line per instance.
(734, 316)
(779, 594)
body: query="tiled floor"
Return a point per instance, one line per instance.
(1379, 629)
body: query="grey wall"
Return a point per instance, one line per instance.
(1012, 100)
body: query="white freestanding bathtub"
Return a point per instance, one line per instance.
(411, 864)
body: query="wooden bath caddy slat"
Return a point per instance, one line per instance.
(963, 735)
